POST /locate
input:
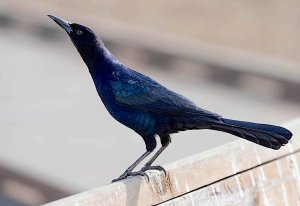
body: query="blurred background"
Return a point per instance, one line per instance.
(237, 58)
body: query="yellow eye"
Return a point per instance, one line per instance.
(78, 32)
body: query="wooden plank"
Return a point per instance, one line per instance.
(274, 183)
(233, 173)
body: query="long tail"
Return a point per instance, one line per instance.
(266, 135)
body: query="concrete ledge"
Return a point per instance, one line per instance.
(236, 173)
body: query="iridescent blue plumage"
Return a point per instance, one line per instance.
(149, 108)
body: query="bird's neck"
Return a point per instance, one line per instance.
(98, 57)
(100, 63)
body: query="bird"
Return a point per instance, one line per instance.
(151, 109)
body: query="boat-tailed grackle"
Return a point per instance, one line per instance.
(149, 108)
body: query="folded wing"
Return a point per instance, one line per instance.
(144, 94)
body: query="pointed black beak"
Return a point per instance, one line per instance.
(64, 24)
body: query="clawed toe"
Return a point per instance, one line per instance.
(119, 178)
(159, 168)
(140, 173)
(131, 174)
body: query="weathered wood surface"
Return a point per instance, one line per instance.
(239, 173)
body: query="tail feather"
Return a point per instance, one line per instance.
(263, 134)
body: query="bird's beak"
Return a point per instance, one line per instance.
(64, 24)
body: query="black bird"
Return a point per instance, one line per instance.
(149, 108)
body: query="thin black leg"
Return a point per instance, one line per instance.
(165, 141)
(148, 166)
(128, 172)
(155, 156)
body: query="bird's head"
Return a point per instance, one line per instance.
(83, 38)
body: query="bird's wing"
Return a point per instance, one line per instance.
(144, 94)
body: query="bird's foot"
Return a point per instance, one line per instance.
(131, 174)
(149, 167)
(140, 173)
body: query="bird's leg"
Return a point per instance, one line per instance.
(148, 166)
(129, 172)
(165, 141)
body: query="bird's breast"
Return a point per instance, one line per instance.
(129, 116)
